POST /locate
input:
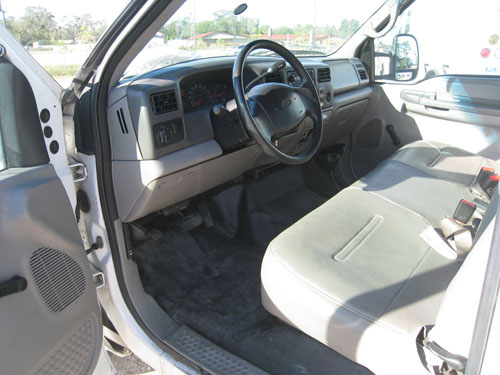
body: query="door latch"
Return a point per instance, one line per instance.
(79, 171)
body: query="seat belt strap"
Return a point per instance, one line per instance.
(459, 237)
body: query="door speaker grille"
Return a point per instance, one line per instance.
(58, 277)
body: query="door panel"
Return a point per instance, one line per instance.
(463, 111)
(55, 322)
(458, 110)
(50, 322)
(371, 142)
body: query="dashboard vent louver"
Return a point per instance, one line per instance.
(275, 77)
(163, 102)
(363, 75)
(324, 75)
(121, 120)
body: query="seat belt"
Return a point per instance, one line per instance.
(460, 238)
(451, 364)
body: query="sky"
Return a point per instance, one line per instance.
(279, 13)
(328, 12)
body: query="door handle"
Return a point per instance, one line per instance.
(15, 285)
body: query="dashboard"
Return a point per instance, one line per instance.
(198, 95)
(169, 143)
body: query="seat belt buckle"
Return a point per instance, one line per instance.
(484, 174)
(464, 211)
(490, 184)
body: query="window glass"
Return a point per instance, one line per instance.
(58, 33)
(201, 29)
(454, 37)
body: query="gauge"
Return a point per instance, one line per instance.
(197, 95)
(221, 93)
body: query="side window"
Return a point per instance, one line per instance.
(433, 38)
(61, 36)
(21, 138)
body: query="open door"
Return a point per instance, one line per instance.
(50, 321)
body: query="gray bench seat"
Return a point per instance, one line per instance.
(356, 273)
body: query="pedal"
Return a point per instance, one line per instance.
(207, 215)
(190, 222)
(140, 233)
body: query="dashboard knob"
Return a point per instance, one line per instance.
(219, 110)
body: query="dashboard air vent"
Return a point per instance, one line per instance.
(363, 75)
(121, 120)
(324, 75)
(275, 77)
(163, 102)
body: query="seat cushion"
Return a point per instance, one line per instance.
(416, 190)
(445, 162)
(355, 275)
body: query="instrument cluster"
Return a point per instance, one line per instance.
(198, 95)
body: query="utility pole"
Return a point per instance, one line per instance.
(313, 36)
(3, 14)
(194, 23)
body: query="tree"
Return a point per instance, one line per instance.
(205, 27)
(180, 29)
(89, 29)
(283, 30)
(37, 25)
(11, 25)
(347, 28)
(225, 21)
(71, 28)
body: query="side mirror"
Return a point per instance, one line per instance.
(397, 61)
(405, 57)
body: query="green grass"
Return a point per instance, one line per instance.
(62, 70)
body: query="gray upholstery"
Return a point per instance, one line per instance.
(356, 274)
(420, 192)
(442, 161)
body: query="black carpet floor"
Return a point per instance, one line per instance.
(209, 278)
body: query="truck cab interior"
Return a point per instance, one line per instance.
(275, 213)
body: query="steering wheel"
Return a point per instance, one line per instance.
(273, 111)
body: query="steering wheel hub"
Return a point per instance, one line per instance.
(271, 111)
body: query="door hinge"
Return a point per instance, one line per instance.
(79, 171)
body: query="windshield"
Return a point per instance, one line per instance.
(201, 29)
